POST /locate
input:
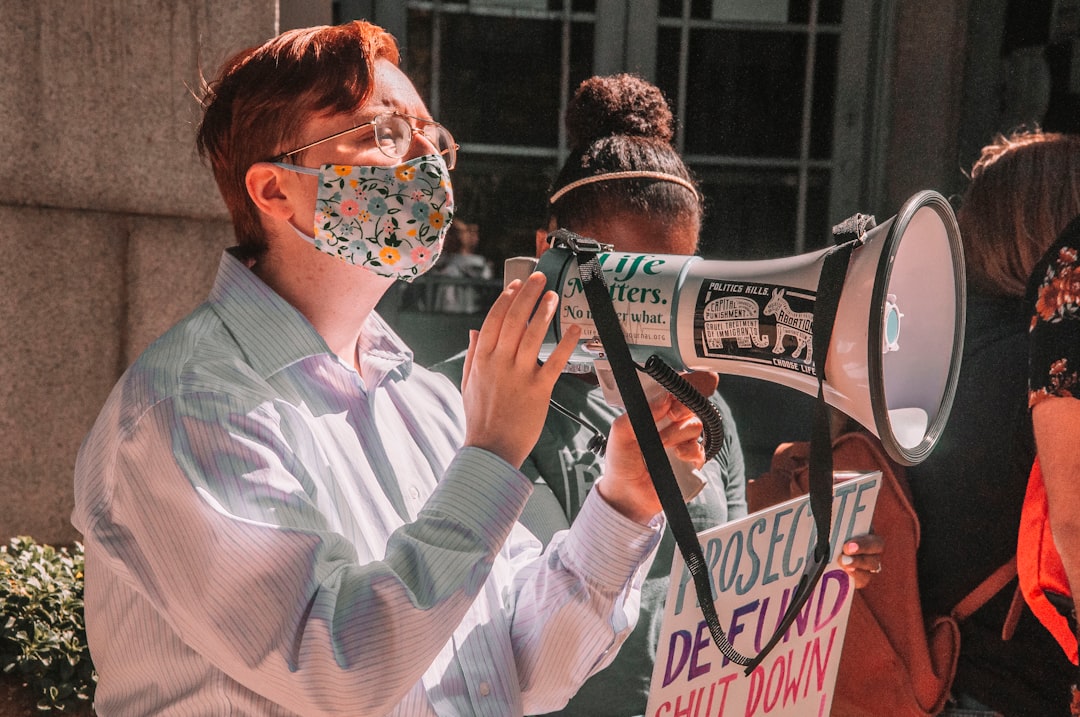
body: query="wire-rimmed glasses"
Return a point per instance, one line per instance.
(392, 133)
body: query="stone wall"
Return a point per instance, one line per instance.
(110, 226)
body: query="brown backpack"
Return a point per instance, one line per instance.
(895, 660)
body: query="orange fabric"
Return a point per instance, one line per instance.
(1039, 565)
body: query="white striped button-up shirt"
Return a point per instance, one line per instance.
(269, 532)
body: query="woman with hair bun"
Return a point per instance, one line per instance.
(623, 169)
(624, 184)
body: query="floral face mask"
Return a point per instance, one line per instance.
(389, 220)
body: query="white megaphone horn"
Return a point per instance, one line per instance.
(894, 355)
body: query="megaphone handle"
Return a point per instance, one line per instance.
(690, 479)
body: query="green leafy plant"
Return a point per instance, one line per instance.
(42, 632)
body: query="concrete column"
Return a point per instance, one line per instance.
(927, 94)
(110, 226)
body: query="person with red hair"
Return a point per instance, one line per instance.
(282, 514)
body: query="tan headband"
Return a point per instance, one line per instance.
(662, 176)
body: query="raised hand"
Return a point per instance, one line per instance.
(505, 390)
(626, 483)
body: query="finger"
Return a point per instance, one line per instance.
(680, 411)
(469, 353)
(861, 568)
(661, 408)
(488, 338)
(868, 544)
(869, 563)
(687, 431)
(704, 381)
(520, 314)
(561, 353)
(691, 452)
(539, 323)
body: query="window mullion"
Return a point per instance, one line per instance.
(564, 81)
(684, 62)
(807, 120)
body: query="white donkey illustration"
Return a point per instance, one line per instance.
(799, 325)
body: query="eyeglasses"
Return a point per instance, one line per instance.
(393, 135)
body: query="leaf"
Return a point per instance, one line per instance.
(43, 636)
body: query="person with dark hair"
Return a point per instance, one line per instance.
(282, 514)
(624, 184)
(622, 169)
(968, 493)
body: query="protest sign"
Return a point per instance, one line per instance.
(755, 564)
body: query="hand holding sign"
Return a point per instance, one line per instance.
(755, 564)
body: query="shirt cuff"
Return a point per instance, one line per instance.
(482, 492)
(608, 546)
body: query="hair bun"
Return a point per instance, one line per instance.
(622, 104)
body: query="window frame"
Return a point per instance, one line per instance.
(625, 40)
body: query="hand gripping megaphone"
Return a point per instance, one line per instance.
(894, 353)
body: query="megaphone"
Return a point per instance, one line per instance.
(894, 354)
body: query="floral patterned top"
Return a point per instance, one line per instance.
(1054, 291)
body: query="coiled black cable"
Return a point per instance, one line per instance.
(712, 421)
(683, 390)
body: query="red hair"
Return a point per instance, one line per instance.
(263, 95)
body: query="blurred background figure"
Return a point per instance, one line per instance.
(459, 272)
(968, 493)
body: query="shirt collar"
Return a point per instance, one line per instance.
(273, 334)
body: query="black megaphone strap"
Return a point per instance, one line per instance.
(624, 371)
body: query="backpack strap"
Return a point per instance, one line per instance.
(985, 590)
(1012, 617)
